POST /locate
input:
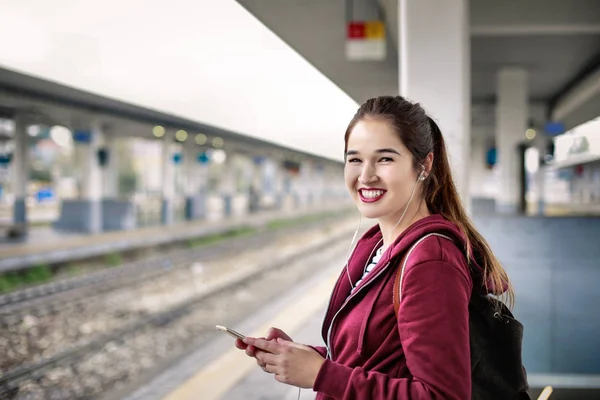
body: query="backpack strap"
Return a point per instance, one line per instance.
(397, 295)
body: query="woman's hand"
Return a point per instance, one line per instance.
(272, 334)
(292, 363)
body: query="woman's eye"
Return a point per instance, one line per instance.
(353, 160)
(386, 159)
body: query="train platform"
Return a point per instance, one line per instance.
(219, 371)
(48, 246)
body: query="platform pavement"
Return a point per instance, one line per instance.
(218, 371)
(62, 247)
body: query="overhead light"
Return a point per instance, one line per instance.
(530, 133)
(7, 126)
(219, 156)
(181, 135)
(217, 142)
(34, 130)
(61, 136)
(201, 139)
(158, 131)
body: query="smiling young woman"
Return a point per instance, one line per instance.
(408, 338)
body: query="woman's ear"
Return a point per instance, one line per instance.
(428, 163)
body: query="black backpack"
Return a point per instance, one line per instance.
(497, 371)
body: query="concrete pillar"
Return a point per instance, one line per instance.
(279, 187)
(434, 62)
(319, 184)
(227, 185)
(190, 180)
(301, 184)
(168, 180)
(92, 182)
(20, 165)
(335, 185)
(540, 177)
(111, 169)
(256, 188)
(196, 177)
(311, 178)
(117, 214)
(512, 111)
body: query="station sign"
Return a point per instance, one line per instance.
(491, 157)
(5, 159)
(177, 158)
(203, 158)
(365, 41)
(82, 136)
(554, 128)
(292, 167)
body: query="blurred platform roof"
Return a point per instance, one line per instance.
(51, 103)
(199, 61)
(557, 41)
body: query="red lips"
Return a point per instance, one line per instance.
(376, 193)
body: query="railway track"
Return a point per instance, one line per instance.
(51, 297)
(168, 330)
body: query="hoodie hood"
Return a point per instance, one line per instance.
(432, 224)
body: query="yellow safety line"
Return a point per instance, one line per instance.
(211, 382)
(545, 393)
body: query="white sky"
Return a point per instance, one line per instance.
(205, 60)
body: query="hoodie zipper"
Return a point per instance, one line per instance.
(335, 289)
(329, 349)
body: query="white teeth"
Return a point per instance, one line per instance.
(371, 194)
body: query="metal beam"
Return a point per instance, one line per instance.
(584, 86)
(26, 87)
(534, 30)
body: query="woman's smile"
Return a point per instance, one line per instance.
(371, 195)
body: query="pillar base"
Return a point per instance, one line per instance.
(296, 200)
(310, 199)
(227, 205)
(20, 212)
(80, 216)
(506, 208)
(195, 207)
(166, 212)
(541, 207)
(19, 226)
(279, 201)
(253, 201)
(118, 215)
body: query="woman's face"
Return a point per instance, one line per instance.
(379, 170)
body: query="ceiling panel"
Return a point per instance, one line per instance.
(551, 60)
(315, 28)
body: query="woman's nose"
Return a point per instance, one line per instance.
(367, 175)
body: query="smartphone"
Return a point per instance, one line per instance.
(230, 332)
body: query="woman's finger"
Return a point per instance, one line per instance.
(274, 333)
(240, 345)
(270, 368)
(265, 357)
(251, 351)
(263, 344)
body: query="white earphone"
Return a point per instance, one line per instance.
(422, 175)
(421, 178)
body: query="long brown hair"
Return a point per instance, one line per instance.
(421, 136)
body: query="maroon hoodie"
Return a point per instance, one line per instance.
(421, 354)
